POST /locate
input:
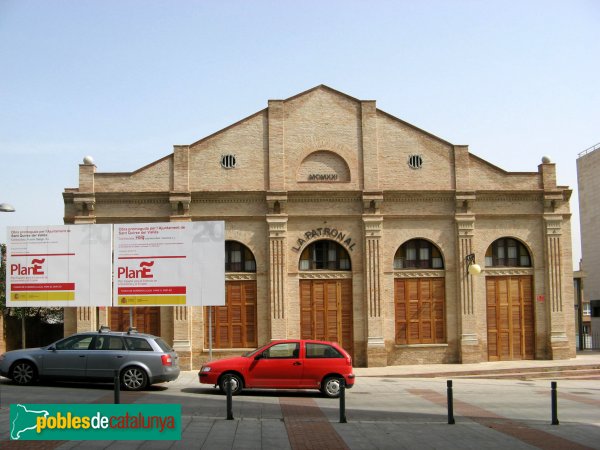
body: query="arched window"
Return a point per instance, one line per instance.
(418, 254)
(507, 252)
(238, 258)
(324, 255)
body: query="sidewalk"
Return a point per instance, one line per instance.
(397, 407)
(585, 358)
(384, 412)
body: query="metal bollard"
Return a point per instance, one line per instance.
(117, 388)
(554, 403)
(450, 403)
(229, 398)
(343, 401)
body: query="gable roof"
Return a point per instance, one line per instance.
(329, 89)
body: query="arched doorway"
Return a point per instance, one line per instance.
(234, 325)
(326, 294)
(419, 293)
(509, 301)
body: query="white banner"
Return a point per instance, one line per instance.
(169, 264)
(59, 265)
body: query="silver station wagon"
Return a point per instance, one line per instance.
(139, 359)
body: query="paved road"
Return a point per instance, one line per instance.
(382, 412)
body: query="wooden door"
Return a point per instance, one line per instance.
(145, 318)
(510, 321)
(326, 311)
(234, 325)
(420, 310)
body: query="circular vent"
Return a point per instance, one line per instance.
(415, 161)
(228, 161)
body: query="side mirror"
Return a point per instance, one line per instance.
(52, 348)
(259, 356)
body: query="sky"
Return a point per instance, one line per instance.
(125, 80)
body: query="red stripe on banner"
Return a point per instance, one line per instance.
(42, 254)
(150, 257)
(19, 287)
(152, 290)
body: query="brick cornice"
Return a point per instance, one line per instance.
(325, 275)
(429, 273)
(509, 196)
(418, 197)
(506, 271)
(134, 197)
(240, 276)
(228, 197)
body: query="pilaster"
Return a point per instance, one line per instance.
(182, 333)
(559, 342)
(469, 346)
(369, 145)
(180, 206)
(276, 145)
(84, 199)
(277, 224)
(86, 319)
(373, 230)
(180, 196)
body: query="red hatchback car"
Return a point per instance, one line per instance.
(288, 364)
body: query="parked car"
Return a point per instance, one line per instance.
(139, 359)
(287, 364)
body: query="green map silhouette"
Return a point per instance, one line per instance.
(24, 419)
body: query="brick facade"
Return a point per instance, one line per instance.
(323, 160)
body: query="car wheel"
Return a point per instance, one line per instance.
(23, 373)
(237, 384)
(331, 387)
(134, 379)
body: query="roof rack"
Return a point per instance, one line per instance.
(132, 330)
(103, 329)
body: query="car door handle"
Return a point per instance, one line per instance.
(119, 356)
(297, 364)
(82, 356)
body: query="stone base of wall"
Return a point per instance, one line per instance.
(185, 360)
(561, 351)
(426, 354)
(471, 354)
(376, 354)
(359, 359)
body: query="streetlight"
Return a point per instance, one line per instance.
(7, 207)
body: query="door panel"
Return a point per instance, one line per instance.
(326, 311)
(234, 325)
(68, 357)
(65, 363)
(510, 321)
(106, 357)
(420, 310)
(279, 366)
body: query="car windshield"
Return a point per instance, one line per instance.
(254, 352)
